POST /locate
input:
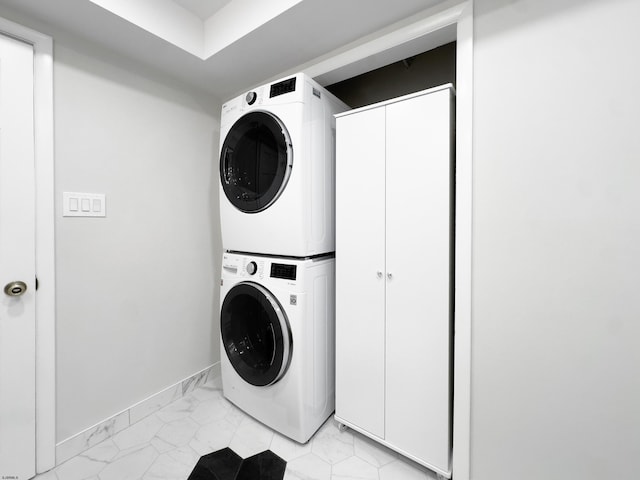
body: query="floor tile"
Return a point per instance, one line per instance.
(179, 432)
(288, 449)
(161, 446)
(308, 467)
(168, 444)
(173, 465)
(89, 463)
(79, 468)
(214, 382)
(212, 409)
(207, 392)
(103, 452)
(354, 468)
(372, 452)
(331, 444)
(130, 464)
(251, 437)
(235, 415)
(138, 433)
(213, 437)
(400, 469)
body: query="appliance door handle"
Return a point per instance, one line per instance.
(226, 154)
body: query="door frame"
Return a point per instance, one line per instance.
(429, 25)
(44, 241)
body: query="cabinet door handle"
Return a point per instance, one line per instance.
(389, 276)
(379, 274)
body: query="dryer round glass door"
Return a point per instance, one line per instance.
(255, 334)
(255, 161)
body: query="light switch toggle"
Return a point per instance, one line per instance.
(75, 204)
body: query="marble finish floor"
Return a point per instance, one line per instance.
(167, 445)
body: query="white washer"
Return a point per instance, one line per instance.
(277, 322)
(277, 169)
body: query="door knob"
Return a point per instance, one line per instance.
(15, 289)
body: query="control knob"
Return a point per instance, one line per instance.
(251, 98)
(252, 268)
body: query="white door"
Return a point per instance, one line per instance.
(17, 261)
(418, 241)
(360, 269)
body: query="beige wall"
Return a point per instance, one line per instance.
(556, 242)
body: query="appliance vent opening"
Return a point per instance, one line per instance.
(280, 88)
(281, 270)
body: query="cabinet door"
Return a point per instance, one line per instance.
(418, 310)
(360, 259)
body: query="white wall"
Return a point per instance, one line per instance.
(556, 240)
(137, 296)
(136, 291)
(556, 243)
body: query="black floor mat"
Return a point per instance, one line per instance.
(225, 464)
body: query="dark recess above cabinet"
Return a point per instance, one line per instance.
(425, 70)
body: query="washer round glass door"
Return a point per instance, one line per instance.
(255, 161)
(255, 334)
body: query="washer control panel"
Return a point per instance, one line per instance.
(237, 266)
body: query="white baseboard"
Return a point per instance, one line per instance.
(105, 429)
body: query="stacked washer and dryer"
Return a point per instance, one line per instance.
(277, 184)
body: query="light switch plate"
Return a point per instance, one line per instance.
(75, 204)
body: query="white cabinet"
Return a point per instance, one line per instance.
(394, 267)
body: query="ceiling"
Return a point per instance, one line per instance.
(220, 47)
(203, 9)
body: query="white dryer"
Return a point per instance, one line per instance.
(277, 163)
(277, 331)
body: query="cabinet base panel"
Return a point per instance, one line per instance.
(344, 424)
